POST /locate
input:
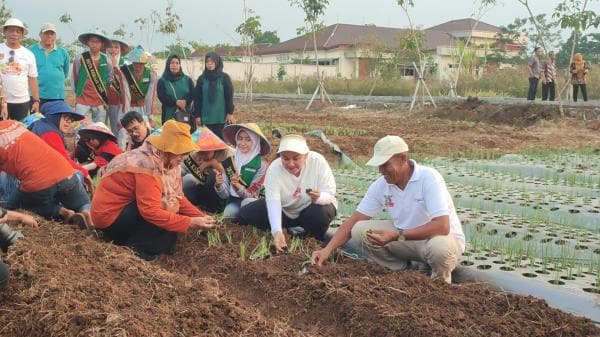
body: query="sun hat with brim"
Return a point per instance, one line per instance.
(231, 130)
(385, 148)
(83, 38)
(96, 129)
(138, 55)
(14, 22)
(59, 108)
(174, 138)
(123, 45)
(293, 143)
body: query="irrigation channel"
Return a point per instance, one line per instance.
(532, 223)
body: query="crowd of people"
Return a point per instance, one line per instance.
(546, 71)
(152, 185)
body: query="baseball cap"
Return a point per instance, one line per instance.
(47, 27)
(293, 143)
(385, 148)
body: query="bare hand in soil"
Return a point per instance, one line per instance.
(203, 222)
(279, 242)
(319, 256)
(314, 195)
(28, 220)
(381, 237)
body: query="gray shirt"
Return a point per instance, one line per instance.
(534, 64)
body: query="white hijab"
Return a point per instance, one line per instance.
(241, 158)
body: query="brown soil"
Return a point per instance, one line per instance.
(69, 283)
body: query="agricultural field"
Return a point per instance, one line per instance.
(526, 189)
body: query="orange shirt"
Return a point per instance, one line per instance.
(28, 158)
(121, 188)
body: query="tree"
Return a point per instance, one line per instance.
(250, 31)
(267, 37)
(313, 11)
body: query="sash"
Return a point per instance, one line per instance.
(231, 170)
(134, 87)
(195, 170)
(94, 76)
(116, 85)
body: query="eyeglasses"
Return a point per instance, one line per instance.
(12, 56)
(68, 118)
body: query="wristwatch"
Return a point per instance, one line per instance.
(401, 235)
(36, 101)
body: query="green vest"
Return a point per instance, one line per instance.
(143, 84)
(248, 171)
(213, 113)
(182, 89)
(82, 76)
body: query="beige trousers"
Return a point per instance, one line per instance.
(441, 252)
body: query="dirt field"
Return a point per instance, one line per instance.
(70, 283)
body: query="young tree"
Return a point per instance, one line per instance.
(313, 11)
(250, 31)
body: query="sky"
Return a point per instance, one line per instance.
(212, 22)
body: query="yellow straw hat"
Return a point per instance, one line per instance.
(175, 138)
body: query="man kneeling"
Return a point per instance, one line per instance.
(424, 225)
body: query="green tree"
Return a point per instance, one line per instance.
(267, 37)
(249, 30)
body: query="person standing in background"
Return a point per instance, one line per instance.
(534, 73)
(549, 77)
(579, 70)
(116, 51)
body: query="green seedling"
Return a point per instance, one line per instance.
(243, 247)
(261, 251)
(214, 238)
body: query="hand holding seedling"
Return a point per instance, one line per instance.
(279, 242)
(313, 194)
(235, 182)
(381, 237)
(203, 222)
(320, 256)
(219, 179)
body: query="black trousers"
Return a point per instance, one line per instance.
(18, 111)
(204, 196)
(46, 100)
(217, 129)
(132, 230)
(548, 91)
(533, 83)
(583, 92)
(4, 275)
(315, 219)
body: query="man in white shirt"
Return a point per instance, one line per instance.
(424, 225)
(299, 191)
(18, 71)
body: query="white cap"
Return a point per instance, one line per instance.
(385, 148)
(293, 143)
(48, 27)
(14, 22)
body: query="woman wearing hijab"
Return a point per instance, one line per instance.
(174, 90)
(139, 202)
(579, 70)
(246, 184)
(213, 96)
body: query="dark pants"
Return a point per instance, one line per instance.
(315, 219)
(4, 275)
(68, 193)
(583, 92)
(217, 129)
(203, 196)
(548, 89)
(46, 100)
(132, 230)
(533, 83)
(18, 111)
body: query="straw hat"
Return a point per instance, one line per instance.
(175, 138)
(207, 140)
(83, 38)
(231, 130)
(97, 128)
(123, 45)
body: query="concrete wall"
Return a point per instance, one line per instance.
(262, 71)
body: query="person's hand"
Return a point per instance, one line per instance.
(230, 119)
(219, 179)
(279, 242)
(35, 107)
(198, 121)
(181, 103)
(381, 237)
(314, 195)
(3, 109)
(203, 222)
(235, 182)
(28, 220)
(320, 256)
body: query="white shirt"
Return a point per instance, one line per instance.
(290, 191)
(425, 197)
(15, 74)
